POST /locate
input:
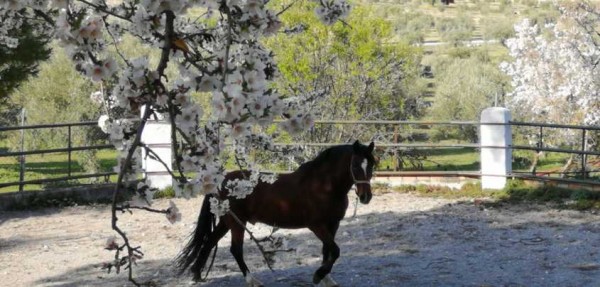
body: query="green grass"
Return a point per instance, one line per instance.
(515, 191)
(49, 166)
(467, 159)
(468, 190)
(448, 159)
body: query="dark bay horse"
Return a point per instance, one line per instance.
(315, 196)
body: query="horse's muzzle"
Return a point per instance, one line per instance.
(364, 194)
(365, 198)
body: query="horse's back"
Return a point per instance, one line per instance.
(292, 201)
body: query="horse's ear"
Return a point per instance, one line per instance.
(371, 147)
(356, 146)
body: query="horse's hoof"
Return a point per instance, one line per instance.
(327, 281)
(251, 281)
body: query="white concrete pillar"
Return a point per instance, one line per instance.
(157, 136)
(496, 161)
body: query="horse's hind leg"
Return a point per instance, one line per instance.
(237, 250)
(200, 263)
(331, 252)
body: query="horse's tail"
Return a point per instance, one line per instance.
(191, 253)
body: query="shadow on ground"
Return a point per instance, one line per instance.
(456, 245)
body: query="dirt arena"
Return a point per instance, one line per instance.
(397, 240)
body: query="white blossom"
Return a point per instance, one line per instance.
(553, 71)
(332, 10)
(111, 243)
(104, 123)
(173, 214)
(219, 208)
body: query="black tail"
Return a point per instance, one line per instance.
(190, 254)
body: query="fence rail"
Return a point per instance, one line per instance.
(583, 151)
(69, 150)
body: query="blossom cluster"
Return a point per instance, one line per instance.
(14, 18)
(554, 71)
(332, 10)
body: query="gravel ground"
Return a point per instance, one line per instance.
(397, 240)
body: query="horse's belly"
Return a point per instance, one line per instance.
(294, 210)
(289, 221)
(294, 219)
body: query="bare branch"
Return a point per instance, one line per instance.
(260, 247)
(168, 42)
(155, 156)
(124, 169)
(104, 10)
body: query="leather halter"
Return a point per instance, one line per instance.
(354, 178)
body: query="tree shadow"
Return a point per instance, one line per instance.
(8, 215)
(463, 244)
(15, 241)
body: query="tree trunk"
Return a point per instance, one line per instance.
(536, 158)
(567, 166)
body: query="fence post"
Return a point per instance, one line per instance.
(69, 146)
(22, 157)
(496, 153)
(583, 155)
(157, 136)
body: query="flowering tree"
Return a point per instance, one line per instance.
(554, 72)
(218, 53)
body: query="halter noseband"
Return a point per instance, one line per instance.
(354, 178)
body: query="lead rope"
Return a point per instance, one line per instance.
(355, 207)
(356, 182)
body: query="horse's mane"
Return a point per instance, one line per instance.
(325, 156)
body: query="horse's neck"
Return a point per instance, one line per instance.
(341, 178)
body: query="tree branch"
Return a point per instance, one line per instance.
(168, 42)
(103, 10)
(44, 16)
(124, 169)
(149, 151)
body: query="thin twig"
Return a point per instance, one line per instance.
(128, 206)
(101, 9)
(168, 42)
(149, 151)
(286, 8)
(115, 44)
(260, 247)
(44, 16)
(227, 45)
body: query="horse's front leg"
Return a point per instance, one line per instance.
(237, 250)
(331, 252)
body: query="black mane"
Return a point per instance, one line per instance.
(326, 156)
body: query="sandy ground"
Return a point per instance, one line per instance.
(397, 240)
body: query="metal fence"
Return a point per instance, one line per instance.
(387, 136)
(582, 148)
(69, 149)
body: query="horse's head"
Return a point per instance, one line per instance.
(362, 164)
